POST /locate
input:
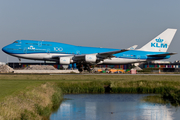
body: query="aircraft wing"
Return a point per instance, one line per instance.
(161, 55)
(102, 55)
(110, 54)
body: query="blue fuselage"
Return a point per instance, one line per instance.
(25, 48)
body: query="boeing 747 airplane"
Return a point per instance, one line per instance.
(66, 54)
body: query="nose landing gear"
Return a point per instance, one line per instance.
(19, 61)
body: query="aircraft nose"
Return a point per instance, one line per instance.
(4, 49)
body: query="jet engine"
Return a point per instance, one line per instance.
(64, 60)
(90, 58)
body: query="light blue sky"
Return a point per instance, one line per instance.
(101, 23)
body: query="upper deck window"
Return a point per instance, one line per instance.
(32, 43)
(47, 44)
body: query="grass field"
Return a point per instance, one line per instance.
(26, 88)
(13, 84)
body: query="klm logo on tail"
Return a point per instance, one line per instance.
(159, 44)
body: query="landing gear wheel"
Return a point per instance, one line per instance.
(87, 67)
(80, 67)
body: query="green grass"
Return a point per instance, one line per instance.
(9, 87)
(13, 84)
(34, 102)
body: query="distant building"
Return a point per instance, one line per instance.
(16, 65)
(177, 61)
(21, 65)
(165, 66)
(160, 61)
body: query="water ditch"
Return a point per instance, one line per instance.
(115, 107)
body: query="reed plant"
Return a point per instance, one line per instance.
(143, 86)
(173, 96)
(35, 104)
(80, 87)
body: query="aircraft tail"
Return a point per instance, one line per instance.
(160, 43)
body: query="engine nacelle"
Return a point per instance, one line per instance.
(90, 58)
(64, 60)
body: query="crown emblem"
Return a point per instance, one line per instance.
(159, 40)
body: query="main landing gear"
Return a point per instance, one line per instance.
(82, 67)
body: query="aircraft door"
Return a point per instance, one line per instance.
(40, 44)
(48, 51)
(19, 41)
(47, 56)
(25, 50)
(138, 57)
(78, 52)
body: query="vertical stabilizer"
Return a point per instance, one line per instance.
(161, 42)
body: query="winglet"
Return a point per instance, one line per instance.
(133, 47)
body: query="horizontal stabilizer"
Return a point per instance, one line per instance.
(161, 55)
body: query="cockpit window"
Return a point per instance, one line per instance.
(15, 42)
